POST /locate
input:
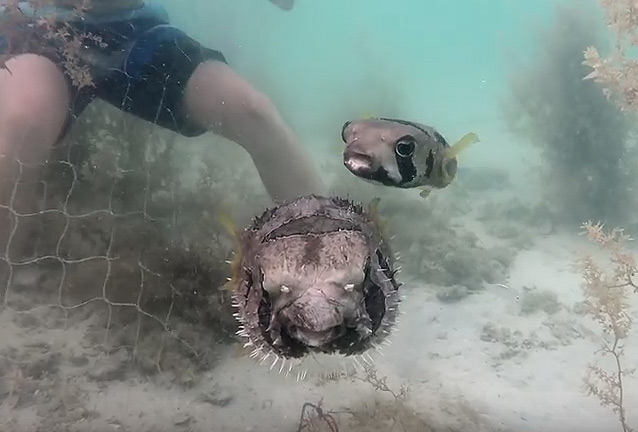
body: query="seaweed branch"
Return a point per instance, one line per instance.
(606, 295)
(308, 421)
(45, 35)
(617, 72)
(380, 383)
(585, 141)
(387, 410)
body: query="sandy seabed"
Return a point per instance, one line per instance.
(486, 362)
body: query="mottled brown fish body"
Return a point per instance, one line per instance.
(315, 276)
(397, 153)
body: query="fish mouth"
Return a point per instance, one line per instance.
(315, 338)
(363, 166)
(311, 323)
(316, 320)
(359, 164)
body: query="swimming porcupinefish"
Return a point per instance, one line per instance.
(401, 153)
(313, 275)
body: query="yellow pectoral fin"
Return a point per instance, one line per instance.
(224, 218)
(231, 283)
(373, 210)
(239, 350)
(462, 144)
(373, 207)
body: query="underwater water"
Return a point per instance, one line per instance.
(115, 318)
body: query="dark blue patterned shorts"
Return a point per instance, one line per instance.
(140, 64)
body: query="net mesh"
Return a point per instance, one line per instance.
(111, 255)
(110, 249)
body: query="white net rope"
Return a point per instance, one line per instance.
(113, 250)
(111, 254)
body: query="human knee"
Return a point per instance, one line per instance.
(34, 93)
(255, 106)
(219, 97)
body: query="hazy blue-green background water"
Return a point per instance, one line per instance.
(470, 253)
(444, 63)
(440, 62)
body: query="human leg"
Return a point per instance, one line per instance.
(34, 106)
(34, 103)
(219, 99)
(171, 80)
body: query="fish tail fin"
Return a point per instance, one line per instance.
(467, 140)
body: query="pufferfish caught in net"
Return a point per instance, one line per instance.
(313, 277)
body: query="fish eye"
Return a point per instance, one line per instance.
(405, 146)
(343, 131)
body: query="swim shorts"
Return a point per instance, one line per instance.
(138, 63)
